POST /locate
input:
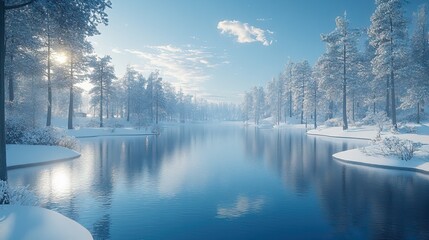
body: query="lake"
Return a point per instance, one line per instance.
(226, 181)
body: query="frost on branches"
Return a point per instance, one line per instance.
(393, 146)
(16, 195)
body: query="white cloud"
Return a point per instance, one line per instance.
(115, 50)
(186, 67)
(263, 19)
(244, 32)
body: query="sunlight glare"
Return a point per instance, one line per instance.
(60, 57)
(60, 181)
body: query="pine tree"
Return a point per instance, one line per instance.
(102, 76)
(342, 47)
(418, 85)
(388, 35)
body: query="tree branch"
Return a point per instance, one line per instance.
(18, 5)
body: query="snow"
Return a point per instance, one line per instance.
(419, 163)
(29, 155)
(98, 132)
(25, 222)
(366, 156)
(366, 133)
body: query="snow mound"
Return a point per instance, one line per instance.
(29, 155)
(419, 163)
(28, 223)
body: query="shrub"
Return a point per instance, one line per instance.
(15, 130)
(404, 149)
(334, 122)
(48, 136)
(16, 195)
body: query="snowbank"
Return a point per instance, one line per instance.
(419, 134)
(419, 163)
(24, 222)
(29, 155)
(366, 133)
(98, 132)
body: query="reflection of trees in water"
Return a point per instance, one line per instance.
(378, 203)
(101, 228)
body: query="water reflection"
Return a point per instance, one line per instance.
(240, 207)
(360, 202)
(229, 182)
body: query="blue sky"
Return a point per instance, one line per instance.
(217, 49)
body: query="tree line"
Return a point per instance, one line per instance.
(362, 72)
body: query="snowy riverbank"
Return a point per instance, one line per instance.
(366, 156)
(30, 155)
(100, 132)
(25, 222)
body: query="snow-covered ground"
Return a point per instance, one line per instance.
(367, 156)
(29, 155)
(367, 132)
(25, 222)
(420, 162)
(98, 132)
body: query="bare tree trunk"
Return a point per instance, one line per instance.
(3, 166)
(290, 104)
(70, 115)
(302, 104)
(49, 113)
(392, 78)
(101, 96)
(315, 108)
(418, 112)
(11, 82)
(345, 124)
(388, 96)
(279, 105)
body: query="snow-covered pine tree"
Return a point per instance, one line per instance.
(418, 84)
(343, 56)
(301, 74)
(102, 76)
(128, 80)
(247, 106)
(258, 103)
(388, 35)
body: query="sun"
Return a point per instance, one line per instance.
(60, 58)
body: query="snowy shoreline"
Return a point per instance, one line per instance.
(419, 163)
(26, 222)
(18, 155)
(107, 132)
(357, 157)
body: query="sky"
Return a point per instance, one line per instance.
(218, 49)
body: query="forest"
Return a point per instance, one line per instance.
(381, 70)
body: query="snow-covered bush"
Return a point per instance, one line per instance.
(15, 130)
(379, 119)
(404, 149)
(93, 123)
(16, 195)
(113, 123)
(48, 136)
(334, 122)
(404, 128)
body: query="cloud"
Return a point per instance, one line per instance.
(115, 50)
(263, 19)
(242, 206)
(244, 32)
(186, 67)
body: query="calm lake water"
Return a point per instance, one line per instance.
(230, 182)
